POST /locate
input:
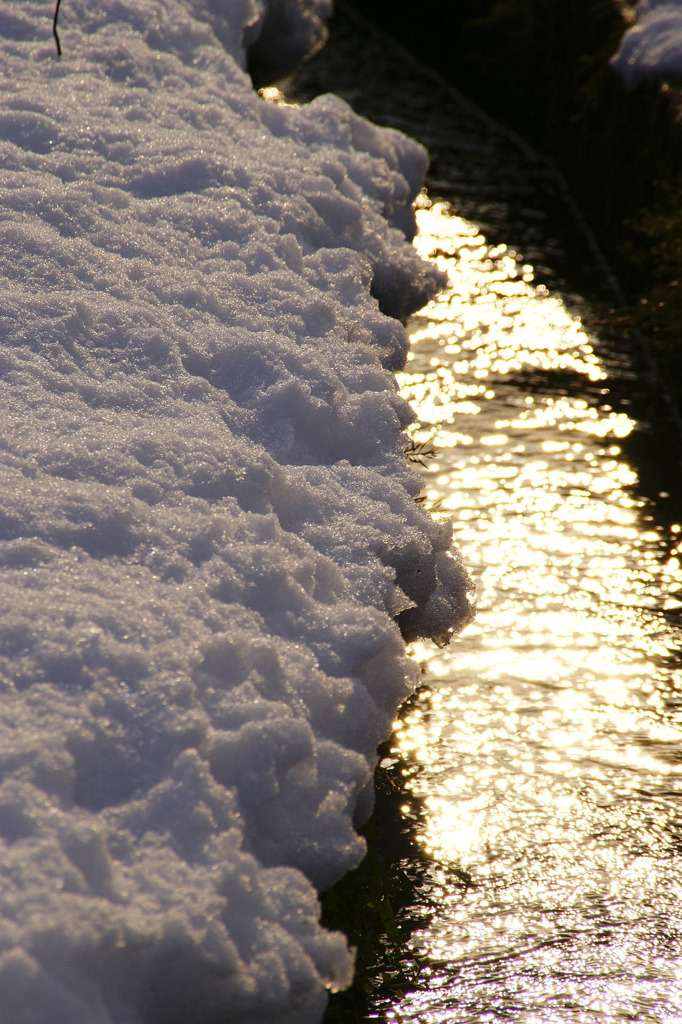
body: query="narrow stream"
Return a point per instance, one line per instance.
(547, 739)
(541, 761)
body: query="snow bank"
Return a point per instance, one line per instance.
(207, 524)
(652, 48)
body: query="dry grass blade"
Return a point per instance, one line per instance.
(419, 451)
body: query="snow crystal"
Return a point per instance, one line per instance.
(207, 525)
(652, 48)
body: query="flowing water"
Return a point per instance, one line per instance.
(540, 764)
(548, 738)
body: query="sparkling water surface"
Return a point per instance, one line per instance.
(547, 740)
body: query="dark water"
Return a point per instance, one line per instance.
(539, 769)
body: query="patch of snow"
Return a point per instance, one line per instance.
(652, 48)
(207, 525)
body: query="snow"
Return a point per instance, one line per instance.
(652, 48)
(207, 523)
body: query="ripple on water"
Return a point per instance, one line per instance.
(548, 740)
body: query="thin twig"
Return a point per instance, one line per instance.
(55, 33)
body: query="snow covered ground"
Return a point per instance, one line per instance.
(652, 48)
(207, 524)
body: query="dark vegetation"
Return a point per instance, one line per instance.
(541, 67)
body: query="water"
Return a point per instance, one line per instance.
(548, 738)
(539, 768)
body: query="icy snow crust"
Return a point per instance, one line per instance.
(652, 48)
(206, 521)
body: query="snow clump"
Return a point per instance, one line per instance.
(652, 48)
(207, 525)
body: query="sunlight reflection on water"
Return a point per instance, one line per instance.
(548, 737)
